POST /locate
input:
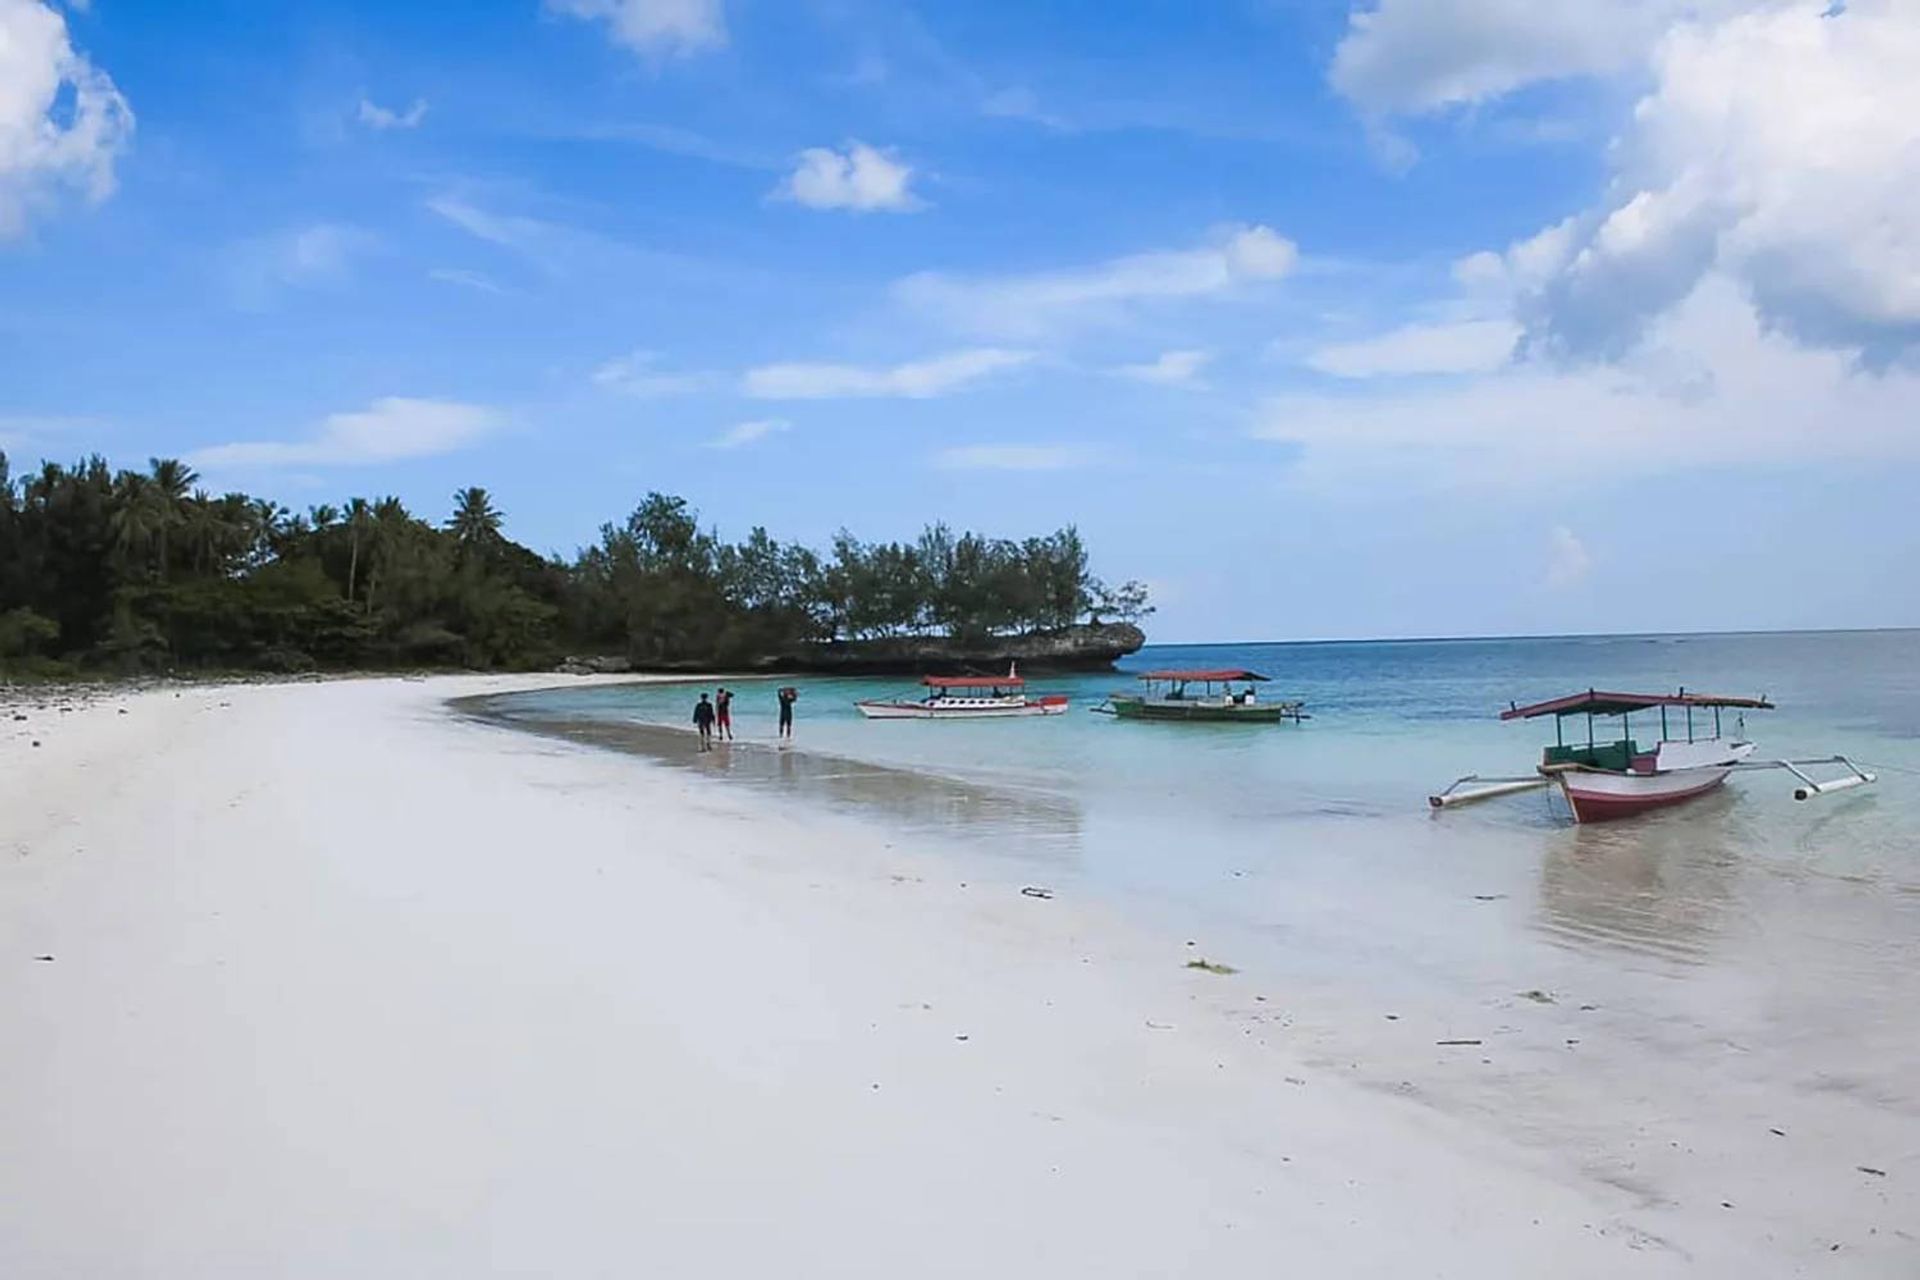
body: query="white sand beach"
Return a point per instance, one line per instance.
(320, 980)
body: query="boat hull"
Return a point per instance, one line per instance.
(1604, 797)
(1212, 713)
(1048, 706)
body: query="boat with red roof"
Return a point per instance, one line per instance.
(967, 698)
(1613, 775)
(1226, 696)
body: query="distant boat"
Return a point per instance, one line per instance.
(1611, 777)
(967, 698)
(1169, 695)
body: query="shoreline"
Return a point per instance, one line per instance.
(344, 982)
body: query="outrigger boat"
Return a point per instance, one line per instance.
(1168, 696)
(967, 698)
(1604, 779)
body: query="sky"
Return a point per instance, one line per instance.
(1325, 319)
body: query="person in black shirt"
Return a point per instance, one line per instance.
(703, 721)
(787, 695)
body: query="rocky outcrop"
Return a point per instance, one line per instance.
(1087, 647)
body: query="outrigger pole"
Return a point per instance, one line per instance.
(1810, 788)
(1488, 790)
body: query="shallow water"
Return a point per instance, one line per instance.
(1740, 957)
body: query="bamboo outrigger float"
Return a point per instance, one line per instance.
(1607, 779)
(1167, 696)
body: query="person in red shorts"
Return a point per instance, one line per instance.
(723, 715)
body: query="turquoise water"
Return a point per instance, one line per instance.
(1392, 722)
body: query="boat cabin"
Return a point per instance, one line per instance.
(973, 690)
(1175, 686)
(1684, 724)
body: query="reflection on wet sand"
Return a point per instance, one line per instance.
(1659, 885)
(1025, 824)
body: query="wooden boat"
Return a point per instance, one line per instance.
(1169, 695)
(1609, 777)
(967, 698)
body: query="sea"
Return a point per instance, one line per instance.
(1495, 959)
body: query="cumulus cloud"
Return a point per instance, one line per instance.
(743, 434)
(1420, 55)
(656, 29)
(375, 116)
(918, 380)
(1464, 346)
(1567, 558)
(1013, 457)
(1781, 148)
(389, 430)
(1171, 368)
(62, 122)
(1232, 258)
(859, 178)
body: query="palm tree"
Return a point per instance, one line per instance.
(322, 517)
(171, 481)
(359, 521)
(136, 518)
(390, 520)
(475, 523)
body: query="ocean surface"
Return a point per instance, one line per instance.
(1746, 938)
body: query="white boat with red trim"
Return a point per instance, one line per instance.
(967, 698)
(1610, 776)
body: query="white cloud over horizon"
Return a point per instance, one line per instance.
(1033, 304)
(391, 429)
(858, 178)
(1568, 559)
(1714, 389)
(63, 124)
(915, 380)
(655, 29)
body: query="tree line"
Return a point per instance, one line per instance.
(133, 571)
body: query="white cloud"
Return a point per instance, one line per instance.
(918, 380)
(638, 374)
(1013, 457)
(375, 116)
(389, 430)
(1170, 368)
(1234, 257)
(62, 122)
(745, 433)
(1567, 558)
(318, 256)
(861, 178)
(1780, 148)
(656, 29)
(1421, 55)
(1465, 346)
(1713, 389)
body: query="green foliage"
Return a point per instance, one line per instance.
(141, 571)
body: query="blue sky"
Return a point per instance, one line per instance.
(1406, 317)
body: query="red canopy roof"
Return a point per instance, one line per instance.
(1594, 702)
(972, 682)
(1232, 673)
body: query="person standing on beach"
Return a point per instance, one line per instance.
(723, 715)
(787, 695)
(703, 721)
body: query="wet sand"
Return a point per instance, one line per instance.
(323, 979)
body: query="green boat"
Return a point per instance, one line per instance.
(1227, 696)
